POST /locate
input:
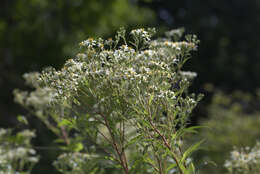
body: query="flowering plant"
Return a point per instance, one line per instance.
(244, 161)
(120, 103)
(16, 154)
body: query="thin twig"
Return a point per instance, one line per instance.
(121, 154)
(166, 143)
(109, 141)
(65, 135)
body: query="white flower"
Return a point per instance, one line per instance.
(188, 74)
(2, 132)
(32, 78)
(88, 43)
(241, 160)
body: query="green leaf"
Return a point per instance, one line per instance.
(182, 167)
(64, 122)
(133, 140)
(22, 119)
(191, 169)
(94, 171)
(171, 167)
(150, 99)
(59, 140)
(182, 132)
(193, 129)
(191, 149)
(76, 101)
(149, 161)
(78, 147)
(67, 123)
(180, 163)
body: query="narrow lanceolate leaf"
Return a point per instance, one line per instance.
(192, 129)
(191, 169)
(182, 168)
(149, 161)
(171, 167)
(182, 132)
(22, 119)
(180, 164)
(133, 141)
(190, 150)
(150, 99)
(67, 123)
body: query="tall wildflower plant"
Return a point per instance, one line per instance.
(120, 102)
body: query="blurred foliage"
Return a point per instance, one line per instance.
(39, 33)
(234, 120)
(16, 154)
(244, 160)
(229, 52)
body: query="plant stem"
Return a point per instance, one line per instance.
(65, 135)
(121, 155)
(63, 130)
(166, 144)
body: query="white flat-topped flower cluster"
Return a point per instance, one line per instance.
(73, 162)
(153, 66)
(245, 160)
(144, 63)
(16, 154)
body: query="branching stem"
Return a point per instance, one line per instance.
(121, 154)
(166, 144)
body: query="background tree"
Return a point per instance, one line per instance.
(229, 30)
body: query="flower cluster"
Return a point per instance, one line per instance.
(246, 160)
(74, 162)
(141, 33)
(188, 74)
(123, 64)
(31, 79)
(176, 33)
(92, 43)
(107, 65)
(177, 46)
(16, 154)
